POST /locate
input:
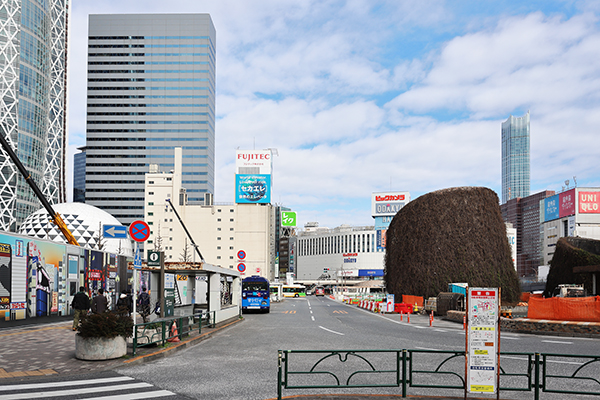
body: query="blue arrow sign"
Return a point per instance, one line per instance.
(114, 231)
(137, 259)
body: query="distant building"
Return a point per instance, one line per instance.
(151, 87)
(524, 215)
(79, 176)
(233, 236)
(515, 158)
(33, 100)
(345, 251)
(574, 213)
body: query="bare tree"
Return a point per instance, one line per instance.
(100, 241)
(186, 255)
(158, 240)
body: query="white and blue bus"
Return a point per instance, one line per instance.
(256, 294)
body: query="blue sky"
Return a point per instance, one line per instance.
(364, 96)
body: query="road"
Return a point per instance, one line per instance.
(240, 362)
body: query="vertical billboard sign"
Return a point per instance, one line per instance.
(288, 218)
(253, 189)
(567, 203)
(551, 208)
(589, 202)
(482, 340)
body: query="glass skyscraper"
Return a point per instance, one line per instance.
(33, 62)
(515, 157)
(151, 87)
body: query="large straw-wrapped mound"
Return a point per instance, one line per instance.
(451, 235)
(570, 253)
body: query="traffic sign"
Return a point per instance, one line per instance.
(241, 267)
(241, 254)
(114, 231)
(137, 260)
(139, 231)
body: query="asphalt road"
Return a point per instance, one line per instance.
(241, 362)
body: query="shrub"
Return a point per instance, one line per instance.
(107, 325)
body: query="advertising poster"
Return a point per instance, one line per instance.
(253, 189)
(5, 278)
(482, 340)
(567, 203)
(589, 202)
(551, 210)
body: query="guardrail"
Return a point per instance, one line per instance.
(524, 372)
(164, 330)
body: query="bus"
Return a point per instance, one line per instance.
(294, 290)
(319, 291)
(256, 294)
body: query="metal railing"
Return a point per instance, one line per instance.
(163, 330)
(524, 372)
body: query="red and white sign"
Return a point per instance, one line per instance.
(566, 203)
(350, 254)
(589, 202)
(95, 275)
(253, 162)
(388, 203)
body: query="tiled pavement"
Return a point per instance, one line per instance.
(49, 348)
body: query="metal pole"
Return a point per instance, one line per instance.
(134, 294)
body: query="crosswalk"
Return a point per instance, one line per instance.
(113, 388)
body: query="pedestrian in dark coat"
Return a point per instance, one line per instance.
(125, 302)
(99, 303)
(81, 305)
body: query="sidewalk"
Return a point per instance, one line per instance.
(46, 346)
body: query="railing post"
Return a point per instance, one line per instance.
(536, 383)
(134, 338)
(404, 372)
(279, 375)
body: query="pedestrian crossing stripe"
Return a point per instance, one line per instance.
(100, 386)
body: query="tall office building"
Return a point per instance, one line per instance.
(515, 157)
(79, 176)
(33, 62)
(151, 87)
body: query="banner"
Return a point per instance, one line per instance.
(253, 189)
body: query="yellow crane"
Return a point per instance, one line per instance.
(54, 216)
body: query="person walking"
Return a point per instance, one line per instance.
(81, 305)
(99, 303)
(144, 304)
(125, 302)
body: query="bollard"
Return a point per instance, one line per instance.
(431, 319)
(401, 313)
(464, 322)
(408, 318)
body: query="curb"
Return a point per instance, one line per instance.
(179, 346)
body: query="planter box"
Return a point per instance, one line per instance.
(100, 348)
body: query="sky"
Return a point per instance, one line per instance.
(365, 96)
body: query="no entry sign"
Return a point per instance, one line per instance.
(139, 231)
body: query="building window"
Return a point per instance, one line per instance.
(218, 257)
(230, 238)
(218, 247)
(230, 247)
(218, 229)
(150, 214)
(231, 257)
(218, 210)
(231, 220)
(230, 229)
(151, 193)
(150, 182)
(218, 238)
(150, 203)
(218, 219)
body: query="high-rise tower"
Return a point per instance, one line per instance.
(151, 87)
(33, 62)
(515, 157)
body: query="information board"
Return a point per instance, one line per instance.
(482, 340)
(169, 305)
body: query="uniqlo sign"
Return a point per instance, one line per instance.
(589, 202)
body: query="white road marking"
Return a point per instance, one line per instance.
(329, 330)
(311, 317)
(508, 337)
(67, 383)
(556, 341)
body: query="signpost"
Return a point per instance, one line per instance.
(483, 338)
(140, 232)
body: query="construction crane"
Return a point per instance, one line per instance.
(186, 231)
(54, 216)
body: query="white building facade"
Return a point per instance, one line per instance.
(343, 251)
(574, 212)
(233, 236)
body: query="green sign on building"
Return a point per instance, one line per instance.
(288, 218)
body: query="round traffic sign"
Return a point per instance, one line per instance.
(241, 267)
(139, 231)
(241, 254)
